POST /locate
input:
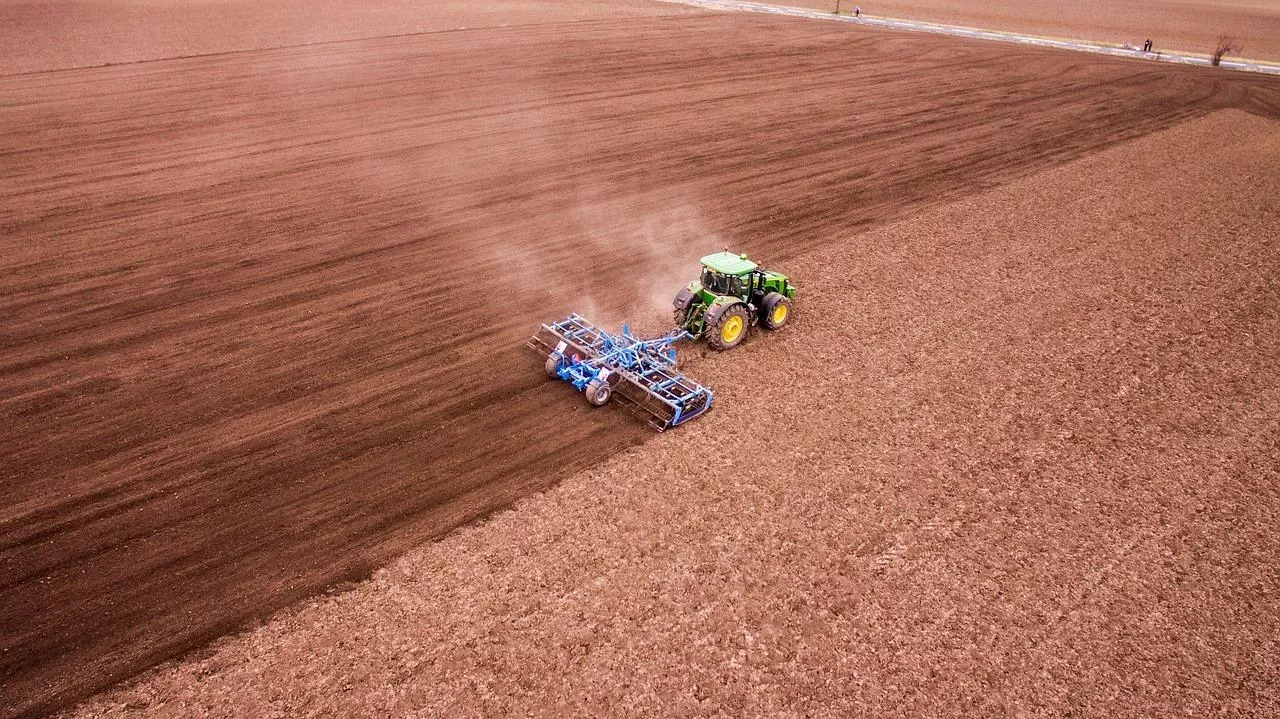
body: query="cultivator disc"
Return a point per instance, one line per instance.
(641, 373)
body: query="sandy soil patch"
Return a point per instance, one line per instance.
(1176, 25)
(1018, 455)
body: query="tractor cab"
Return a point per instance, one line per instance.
(719, 283)
(727, 274)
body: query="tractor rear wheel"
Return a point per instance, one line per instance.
(729, 328)
(775, 311)
(598, 392)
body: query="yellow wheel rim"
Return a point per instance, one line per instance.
(732, 329)
(779, 314)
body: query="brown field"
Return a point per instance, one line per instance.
(1191, 26)
(58, 34)
(1028, 466)
(264, 310)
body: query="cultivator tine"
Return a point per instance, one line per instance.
(585, 338)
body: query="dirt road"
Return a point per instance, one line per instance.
(263, 311)
(1174, 25)
(1134, 51)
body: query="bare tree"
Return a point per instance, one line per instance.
(1224, 46)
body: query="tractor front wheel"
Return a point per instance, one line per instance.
(729, 328)
(598, 392)
(775, 311)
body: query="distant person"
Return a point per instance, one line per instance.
(1146, 46)
(857, 11)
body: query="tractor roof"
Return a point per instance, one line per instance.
(729, 264)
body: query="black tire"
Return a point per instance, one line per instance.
(775, 311)
(683, 301)
(598, 392)
(553, 367)
(729, 328)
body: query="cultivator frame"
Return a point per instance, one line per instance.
(641, 372)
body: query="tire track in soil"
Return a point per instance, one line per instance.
(264, 313)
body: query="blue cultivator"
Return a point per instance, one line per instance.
(641, 372)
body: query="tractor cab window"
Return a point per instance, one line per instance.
(721, 284)
(714, 281)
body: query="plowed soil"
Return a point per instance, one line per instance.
(1017, 456)
(264, 310)
(59, 34)
(1192, 26)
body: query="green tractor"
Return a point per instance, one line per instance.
(732, 294)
